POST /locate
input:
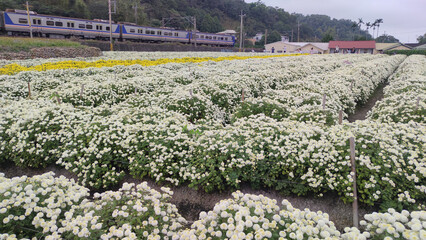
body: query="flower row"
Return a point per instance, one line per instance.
(294, 88)
(14, 68)
(100, 144)
(45, 207)
(405, 97)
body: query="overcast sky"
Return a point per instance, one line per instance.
(403, 19)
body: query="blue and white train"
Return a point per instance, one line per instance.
(15, 23)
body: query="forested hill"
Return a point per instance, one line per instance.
(212, 16)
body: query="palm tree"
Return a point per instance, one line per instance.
(374, 24)
(360, 22)
(378, 21)
(368, 25)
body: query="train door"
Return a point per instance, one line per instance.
(99, 29)
(70, 28)
(36, 26)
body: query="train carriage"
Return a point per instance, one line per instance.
(213, 39)
(15, 22)
(151, 34)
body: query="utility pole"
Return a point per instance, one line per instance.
(110, 26)
(194, 20)
(292, 35)
(298, 30)
(241, 30)
(266, 36)
(29, 20)
(136, 13)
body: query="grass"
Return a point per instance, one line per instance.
(17, 44)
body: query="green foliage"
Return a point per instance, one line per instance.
(9, 44)
(273, 36)
(327, 37)
(422, 39)
(407, 52)
(387, 39)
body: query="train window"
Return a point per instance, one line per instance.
(23, 20)
(50, 23)
(226, 39)
(214, 38)
(176, 34)
(107, 28)
(202, 36)
(70, 24)
(59, 24)
(99, 27)
(34, 21)
(158, 32)
(89, 26)
(132, 30)
(81, 26)
(221, 38)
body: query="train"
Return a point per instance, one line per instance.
(14, 22)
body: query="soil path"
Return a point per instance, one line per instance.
(191, 202)
(362, 110)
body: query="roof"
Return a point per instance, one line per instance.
(413, 45)
(229, 31)
(384, 46)
(320, 45)
(352, 44)
(389, 46)
(422, 47)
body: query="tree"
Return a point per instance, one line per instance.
(422, 39)
(378, 22)
(327, 37)
(274, 36)
(386, 39)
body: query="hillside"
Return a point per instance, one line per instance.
(212, 16)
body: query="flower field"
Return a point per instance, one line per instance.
(212, 122)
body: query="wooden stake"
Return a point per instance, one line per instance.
(29, 90)
(418, 103)
(136, 90)
(81, 91)
(323, 101)
(190, 92)
(340, 117)
(352, 85)
(355, 203)
(242, 95)
(57, 98)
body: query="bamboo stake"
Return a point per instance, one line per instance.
(190, 92)
(340, 117)
(57, 98)
(418, 103)
(29, 90)
(323, 101)
(242, 95)
(355, 202)
(81, 91)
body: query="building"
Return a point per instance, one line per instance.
(382, 47)
(296, 47)
(258, 37)
(229, 32)
(352, 47)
